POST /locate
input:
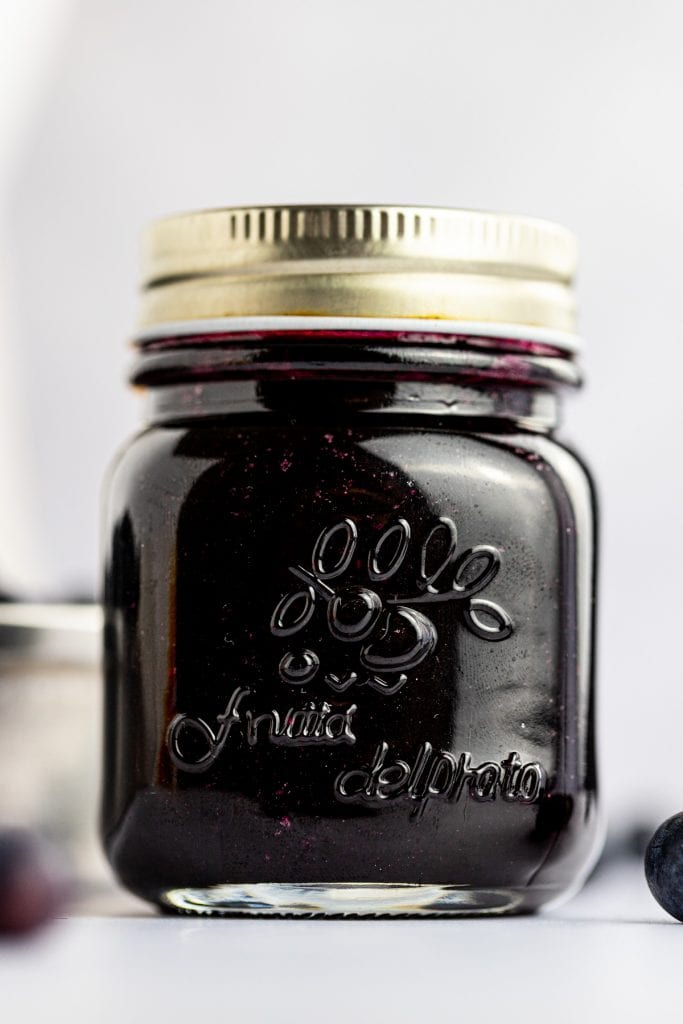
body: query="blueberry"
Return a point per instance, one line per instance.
(664, 866)
(32, 886)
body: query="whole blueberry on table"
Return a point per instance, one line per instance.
(32, 884)
(664, 866)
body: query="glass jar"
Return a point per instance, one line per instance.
(349, 586)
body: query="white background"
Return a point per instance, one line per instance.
(115, 111)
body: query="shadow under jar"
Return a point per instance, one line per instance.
(349, 572)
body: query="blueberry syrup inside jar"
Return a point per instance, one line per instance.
(349, 621)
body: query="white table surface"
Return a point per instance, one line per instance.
(609, 954)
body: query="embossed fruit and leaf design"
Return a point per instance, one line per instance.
(392, 634)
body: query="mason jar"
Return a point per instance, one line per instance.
(349, 570)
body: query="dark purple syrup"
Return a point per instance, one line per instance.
(348, 632)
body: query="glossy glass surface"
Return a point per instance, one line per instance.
(349, 648)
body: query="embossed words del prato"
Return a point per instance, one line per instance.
(430, 775)
(439, 775)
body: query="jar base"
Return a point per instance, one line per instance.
(354, 899)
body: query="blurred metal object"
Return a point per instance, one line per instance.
(50, 727)
(78, 618)
(378, 261)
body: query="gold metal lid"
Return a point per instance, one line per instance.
(374, 262)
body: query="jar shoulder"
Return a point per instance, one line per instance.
(165, 463)
(145, 463)
(568, 466)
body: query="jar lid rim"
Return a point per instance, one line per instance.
(352, 260)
